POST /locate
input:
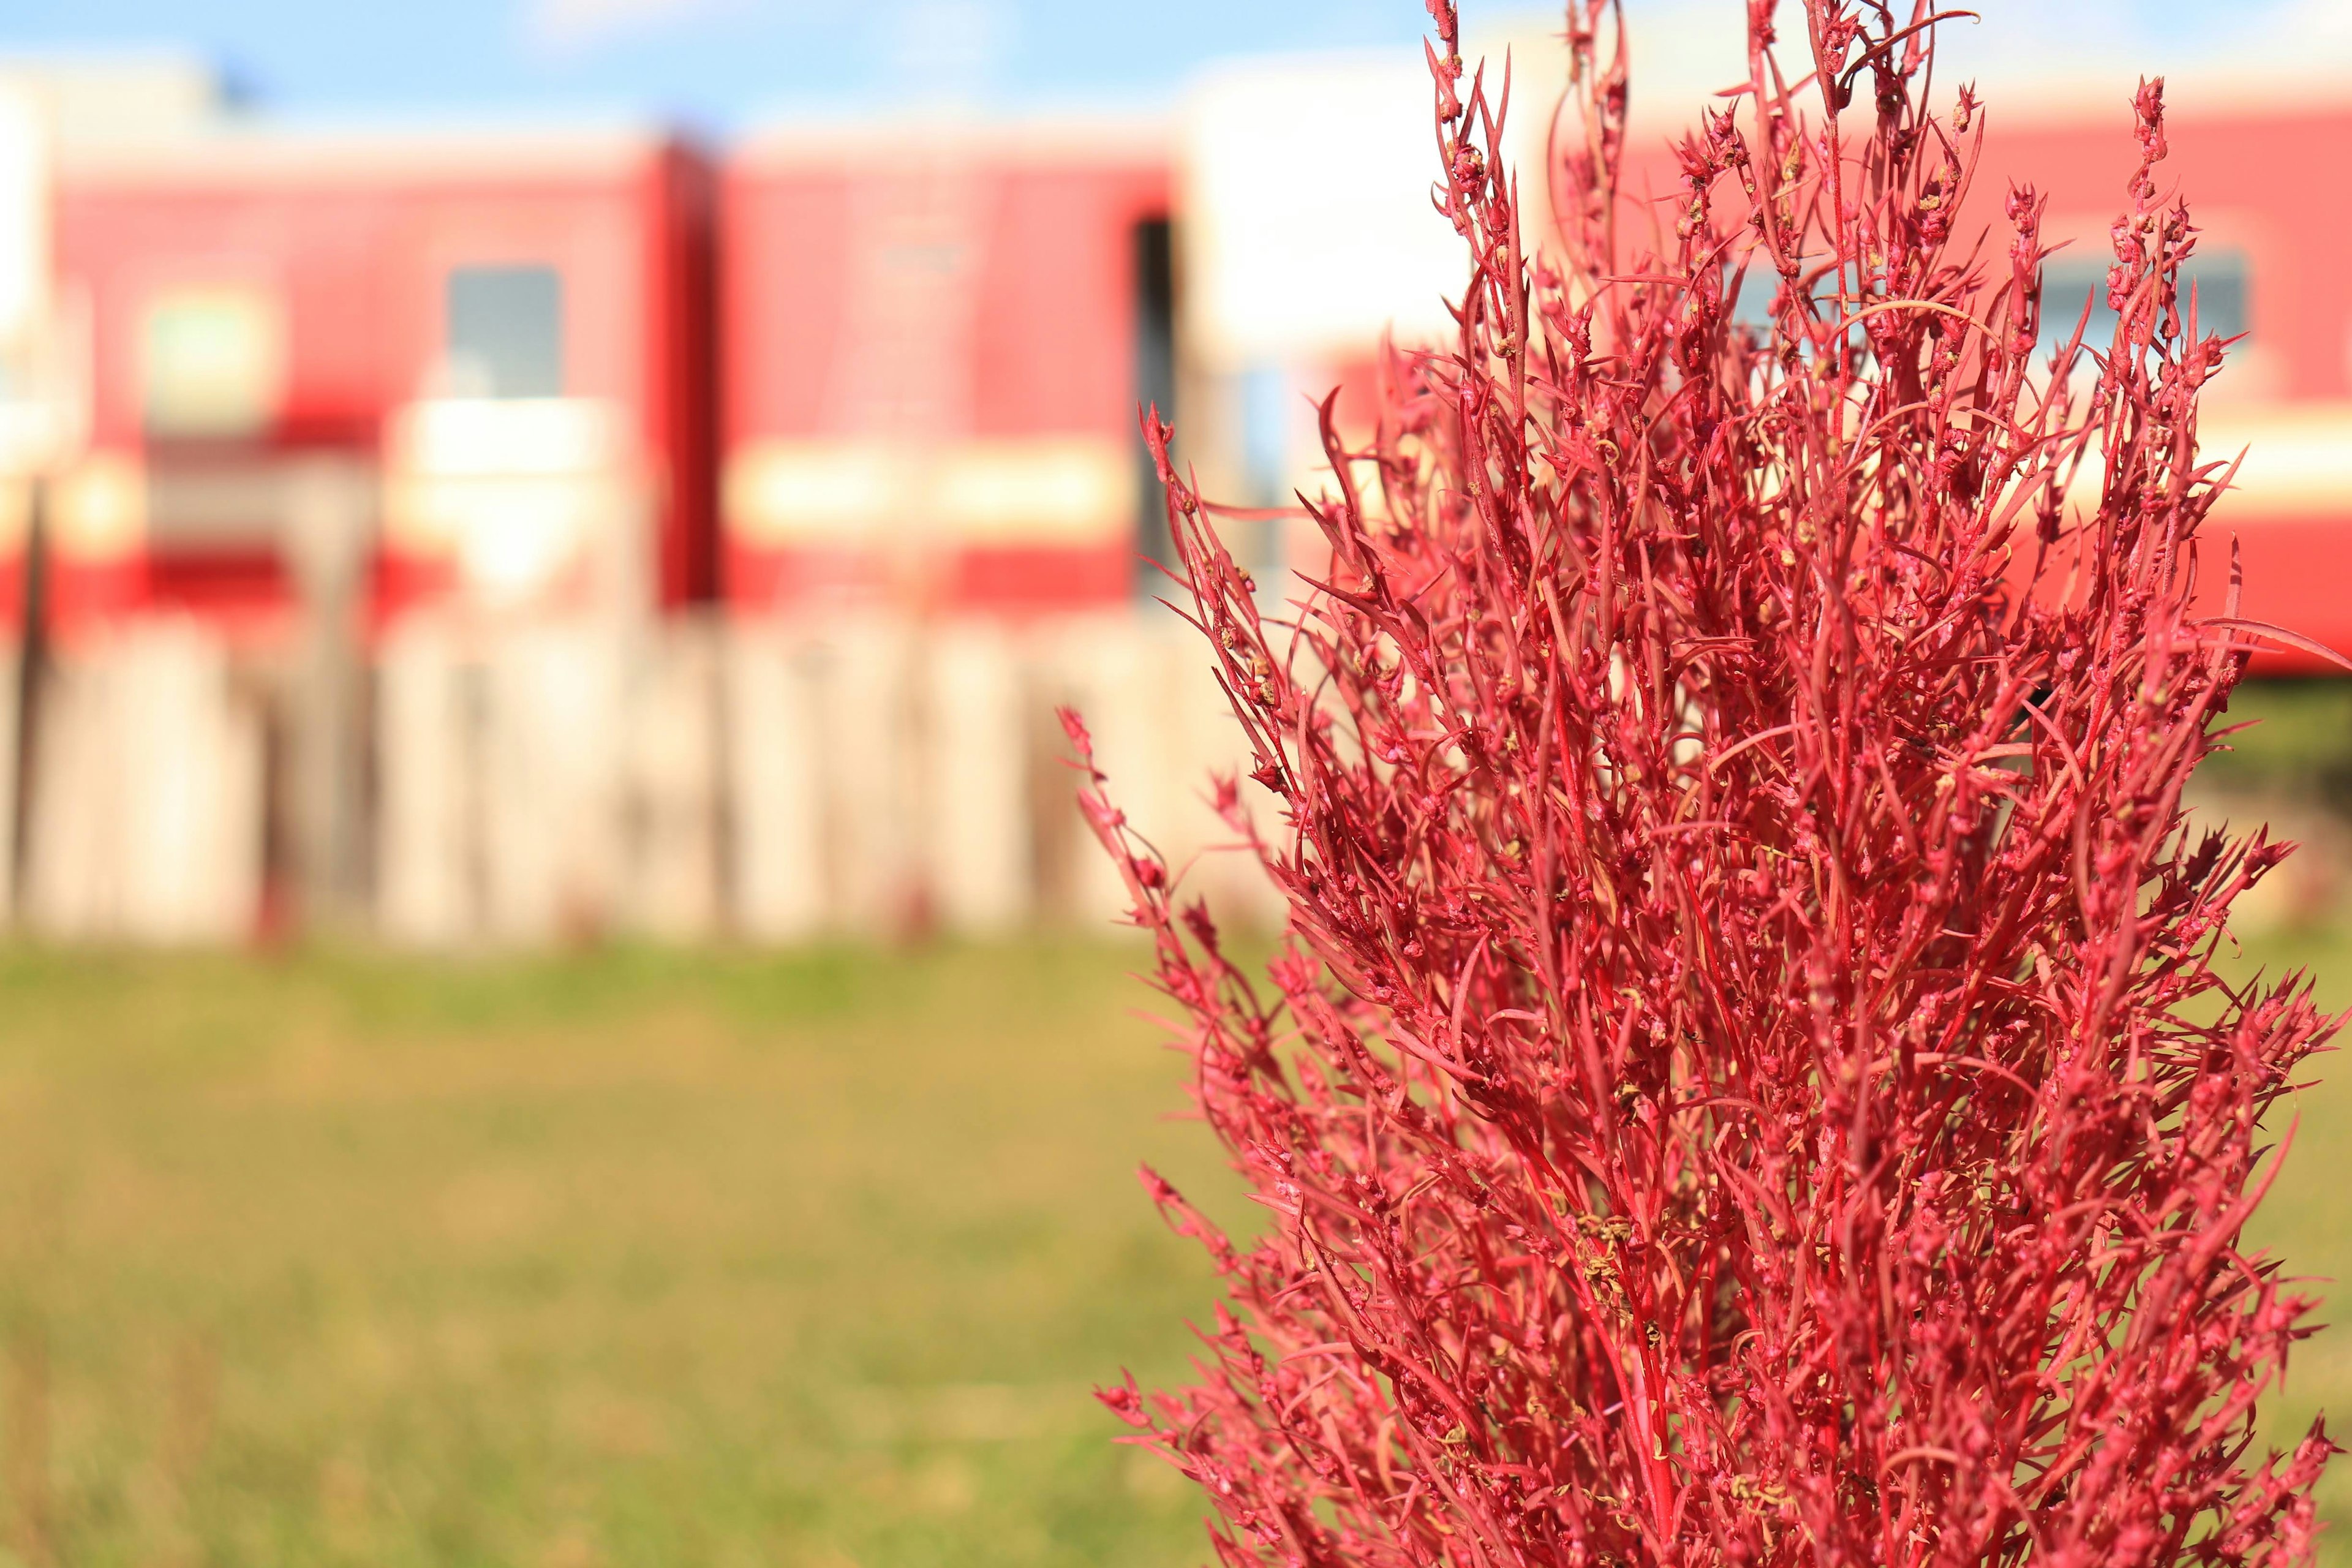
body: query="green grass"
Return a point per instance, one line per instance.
(2308, 1223)
(637, 1259)
(2296, 737)
(634, 1258)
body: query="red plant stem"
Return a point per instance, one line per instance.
(1746, 1081)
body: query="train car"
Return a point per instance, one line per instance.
(1306, 241)
(475, 361)
(938, 335)
(2255, 164)
(2263, 170)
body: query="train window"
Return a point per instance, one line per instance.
(505, 331)
(1760, 284)
(2220, 280)
(212, 361)
(1155, 381)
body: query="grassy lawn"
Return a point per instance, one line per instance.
(634, 1259)
(2308, 1223)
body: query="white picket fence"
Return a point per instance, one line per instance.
(695, 780)
(146, 817)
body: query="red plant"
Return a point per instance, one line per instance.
(1746, 1081)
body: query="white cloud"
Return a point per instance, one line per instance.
(575, 27)
(2019, 52)
(2307, 24)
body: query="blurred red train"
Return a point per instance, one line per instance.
(520, 370)
(493, 342)
(935, 339)
(497, 353)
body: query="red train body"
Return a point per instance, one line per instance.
(931, 366)
(2264, 182)
(864, 364)
(255, 301)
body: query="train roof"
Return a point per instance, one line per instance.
(1077, 136)
(245, 151)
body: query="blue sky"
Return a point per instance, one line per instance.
(718, 63)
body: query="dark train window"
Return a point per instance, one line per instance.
(1760, 284)
(505, 331)
(2220, 280)
(1155, 382)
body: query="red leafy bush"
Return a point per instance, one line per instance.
(1746, 1082)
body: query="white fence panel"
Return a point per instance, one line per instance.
(672, 765)
(552, 733)
(979, 852)
(859, 775)
(148, 809)
(425, 868)
(775, 787)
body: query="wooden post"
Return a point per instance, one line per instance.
(147, 819)
(191, 840)
(327, 524)
(425, 821)
(72, 869)
(672, 762)
(551, 781)
(776, 849)
(867, 669)
(1103, 666)
(975, 810)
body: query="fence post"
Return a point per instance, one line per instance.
(551, 782)
(147, 814)
(425, 827)
(775, 788)
(672, 766)
(978, 857)
(327, 524)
